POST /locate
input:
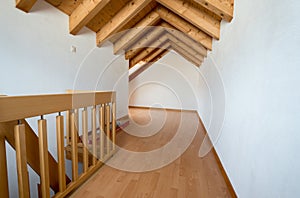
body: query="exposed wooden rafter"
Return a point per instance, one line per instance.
(145, 41)
(197, 17)
(185, 47)
(147, 65)
(84, 13)
(185, 27)
(185, 39)
(131, 35)
(186, 55)
(120, 19)
(144, 53)
(221, 8)
(153, 54)
(25, 5)
(141, 27)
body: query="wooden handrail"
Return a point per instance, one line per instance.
(15, 109)
(21, 107)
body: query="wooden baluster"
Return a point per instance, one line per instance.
(44, 166)
(60, 152)
(74, 147)
(23, 180)
(101, 117)
(85, 140)
(3, 169)
(108, 129)
(113, 126)
(68, 127)
(94, 135)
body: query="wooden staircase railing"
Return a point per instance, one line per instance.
(15, 130)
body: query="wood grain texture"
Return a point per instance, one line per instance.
(84, 13)
(187, 176)
(144, 53)
(44, 164)
(185, 38)
(145, 41)
(197, 17)
(32, 149)
(60, 152)
(185, 27)
(20, 107)
(74, 138)
(130, 36)
(21, 159)
(147, 65)
(120, 20)
(221, 8)
(85, 156)
(25, 5)
(194, 60)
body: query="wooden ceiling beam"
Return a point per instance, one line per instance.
(220, 8)
(195, 16)
(144, 42)
(131, 35)
(85, 12)
(144, 53)
(131, 9)
(147, 65)
(184, 54)
(25, 5)
(151, 57)
(185, 27)
(185, 38)
(186, 48)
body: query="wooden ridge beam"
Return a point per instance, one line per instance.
(195, 16)
(185, 39)
(131, 9)
(86, 11)
(220, 8)
(131, 35)
(144, 42)
(147, 65)
(184, 54)
(186, 48)
(148, 50)
(185, 27)
(25, 5)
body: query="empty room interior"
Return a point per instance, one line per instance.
(149, 98)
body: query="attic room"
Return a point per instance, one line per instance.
(149, 98)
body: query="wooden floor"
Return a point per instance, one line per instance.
(188, 176)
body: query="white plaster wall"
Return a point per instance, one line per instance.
(172, 82)
(247, 94)
(36, 58)
(258, 60)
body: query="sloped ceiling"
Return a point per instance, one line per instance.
(146, 30)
